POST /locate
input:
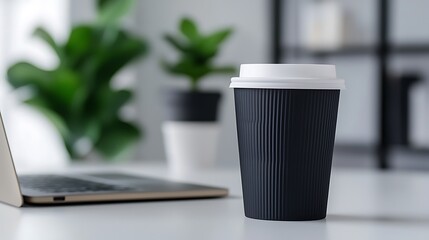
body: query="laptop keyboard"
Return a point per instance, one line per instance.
(62, 184)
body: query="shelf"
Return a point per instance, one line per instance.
(405, 49)
(412, 149)
(355, 148)
(369, 148)
(411, 49)
(346, 51)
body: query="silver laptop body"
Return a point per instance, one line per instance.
(89, 187)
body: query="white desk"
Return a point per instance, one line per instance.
(363, 205)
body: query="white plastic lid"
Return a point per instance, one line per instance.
(287, 76)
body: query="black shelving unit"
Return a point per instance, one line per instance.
(406, 49)
(382, 51)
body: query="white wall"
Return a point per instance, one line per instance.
(248, 44)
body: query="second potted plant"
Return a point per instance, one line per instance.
(191, 128)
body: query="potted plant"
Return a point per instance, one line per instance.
(191, 129)
(77, 96)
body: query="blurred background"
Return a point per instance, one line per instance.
(381, 49)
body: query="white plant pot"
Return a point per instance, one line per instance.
(190, 146)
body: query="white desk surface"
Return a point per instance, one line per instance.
(362, 205)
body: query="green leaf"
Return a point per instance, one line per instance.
(26, 74)
(110, 102)
(209, 46)
(57, 87)
(126, 49)
(117, 140)
(79, 103)
(220, 36)
(189, 29)
(110, 12)
(224, 70)
(56, 120)
(64, 86)
(92, 128)
(44, 35)
(80, 43)
(103, 3)
(177, 43)
(189, 68)
(196, 52)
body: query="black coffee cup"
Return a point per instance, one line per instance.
(286, 120)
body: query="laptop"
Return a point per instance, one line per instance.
(53, 189)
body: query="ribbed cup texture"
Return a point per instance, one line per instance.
(286, 140)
